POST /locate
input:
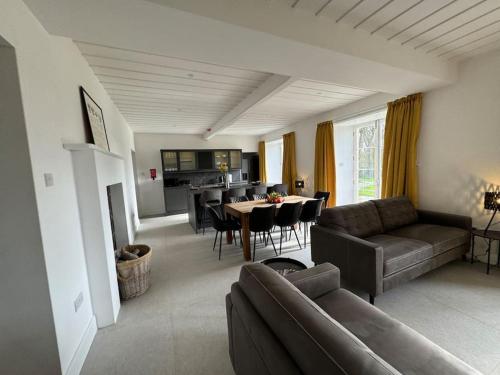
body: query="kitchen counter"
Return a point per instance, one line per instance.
(194, 208)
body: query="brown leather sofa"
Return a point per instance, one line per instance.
(382, 243)
(306, 324)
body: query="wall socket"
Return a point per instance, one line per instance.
(49, 179)
(78, 301)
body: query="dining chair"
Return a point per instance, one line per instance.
(209, 198)
(261, 189)
(221, 226)
(261, 220)
(258, 197)
(288, 217)
(235, 192)
(279, 188)
(242, 198)
(310, 211)
(322, 195)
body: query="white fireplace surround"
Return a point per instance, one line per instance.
(94, 170)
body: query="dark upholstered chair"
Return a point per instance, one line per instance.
(209, 198)
(382, 243)
(261, 220)
(325, 195)
(279, 188)
(261, 189)
(258, 197)
(235, 192)
(221, 226)
(310, 211)
(288, 217)
(243, 198)
(275, 330)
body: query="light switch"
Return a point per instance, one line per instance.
(49, 179)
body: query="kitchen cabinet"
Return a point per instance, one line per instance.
(187, 160)
(235, 159)
(169, 159)
(221, 157)
(176, 199)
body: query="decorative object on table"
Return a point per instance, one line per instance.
(299, 185)
(133, 269)
(490, 235)
(95, 119)
(275, 197)
(491, 202)
(223, 168)
(284, 266)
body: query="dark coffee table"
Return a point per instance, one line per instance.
(284, 266)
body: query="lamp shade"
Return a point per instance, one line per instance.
(299, 184)
(491, 200)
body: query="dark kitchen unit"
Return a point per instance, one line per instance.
(187, 169)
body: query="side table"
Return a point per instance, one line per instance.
(490, 235)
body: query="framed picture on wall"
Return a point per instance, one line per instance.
(95, 119)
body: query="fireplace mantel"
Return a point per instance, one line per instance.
(94, 170)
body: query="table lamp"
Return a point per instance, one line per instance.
(491, 202)
(299, 185)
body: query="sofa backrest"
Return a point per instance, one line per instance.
(359, 220)
(396, 212)
(317, 343)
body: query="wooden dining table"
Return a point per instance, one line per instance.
(242, 211)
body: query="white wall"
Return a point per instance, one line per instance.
(147, 148)
(50, 70)
(459, 146)
(305, 137)
(26, 319)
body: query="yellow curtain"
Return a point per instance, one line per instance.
(262, 161)
(324, 161)
(289, 172)
(399, 166)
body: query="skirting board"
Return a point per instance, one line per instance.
(76, 363)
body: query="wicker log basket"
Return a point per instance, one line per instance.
(133, 275)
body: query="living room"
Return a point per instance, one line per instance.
(122, 120)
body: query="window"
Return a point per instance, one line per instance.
(274, 161)
(358, 153)
(368, 143)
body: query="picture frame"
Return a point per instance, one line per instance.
(95, 119)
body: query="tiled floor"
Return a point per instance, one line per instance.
(179, 325)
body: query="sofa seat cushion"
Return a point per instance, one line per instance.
(440, 237)
(396, 212)
(358, 220)
(402, 347)
(400, 253)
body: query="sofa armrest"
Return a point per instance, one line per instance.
(316, 281)
(360, 261)
(441, 218)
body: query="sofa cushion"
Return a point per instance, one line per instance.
(359, 220)
(318, 344)
(400, 252)
(396, 212)
(440, 237)
(406, 350)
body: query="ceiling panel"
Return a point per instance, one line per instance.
(447, 29)
(298, 101)
(169, 95)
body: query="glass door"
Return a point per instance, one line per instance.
(235, 157)
(221, 157)
(169, 161)
(187, 160)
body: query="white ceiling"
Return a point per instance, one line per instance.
(446, 29)
(298, 101)
(170, 95)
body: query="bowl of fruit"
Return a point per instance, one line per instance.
(275, 197)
